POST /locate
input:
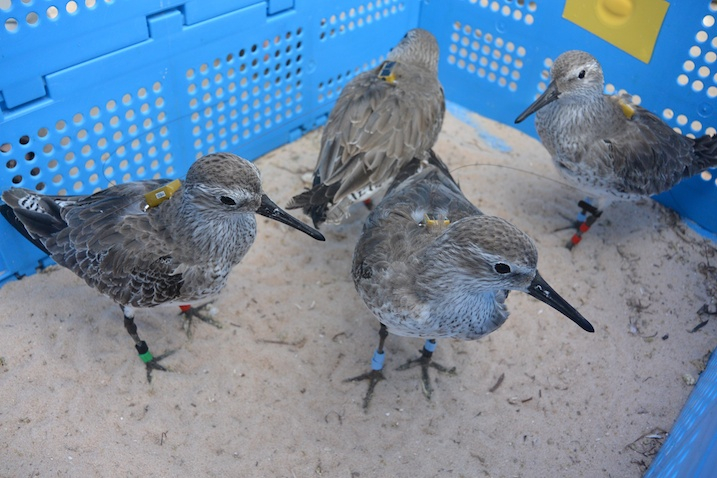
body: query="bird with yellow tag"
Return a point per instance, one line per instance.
(383, 118)
(605, 145)
(430, 264)
(153, 242)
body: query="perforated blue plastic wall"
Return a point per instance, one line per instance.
(496, 58)
(95, 92)
(691, 449)
(108, 91)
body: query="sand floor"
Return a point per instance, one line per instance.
(265, 395)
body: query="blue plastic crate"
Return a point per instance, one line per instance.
(97, 92)
(101, 92)
(691, 449)
(496, 57)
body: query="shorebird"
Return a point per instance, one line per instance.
(382, 120)
(153, 242)
(430, 264)
(606, 145)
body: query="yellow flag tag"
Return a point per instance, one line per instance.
(627, 109)
(434, 223)
(386, 72)
(159, 195)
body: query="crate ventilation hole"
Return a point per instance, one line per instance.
(357, 17)
(118, 132)
(34, 18)
(514, 9)
(261, 84)
(487, 56)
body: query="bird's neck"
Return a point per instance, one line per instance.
(567, 124)
(211, 235)
(456, 298)
(579, 113)
(481, 313)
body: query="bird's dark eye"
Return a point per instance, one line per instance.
(227, 200)
(501, 268)
(581, 75)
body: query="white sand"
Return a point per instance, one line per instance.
(264, 395)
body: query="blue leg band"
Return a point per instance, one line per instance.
(377, 360)
(429, 346)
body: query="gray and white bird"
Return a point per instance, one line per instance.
(429, 264)
(153, 242)
(607, 146)
(382, 120)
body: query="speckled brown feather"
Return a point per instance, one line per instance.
(406, 271)
(604, 151)
(376, 127)
(179, 251)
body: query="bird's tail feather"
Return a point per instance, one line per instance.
(315, 202)
(705, 152)
(8, 213)
(438, 162)
(416, 165)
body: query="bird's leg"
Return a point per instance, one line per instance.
(425, 362)
(587, 217)
(150, 361)
(375, 375)
(203, 313)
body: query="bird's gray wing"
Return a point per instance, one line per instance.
(116, 245)
(428, 188)
(376, 127)
(645, 156)
(395, 234)
(399, 216)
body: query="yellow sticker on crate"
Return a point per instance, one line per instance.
(630, 25)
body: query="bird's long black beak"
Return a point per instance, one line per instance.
(544, 293)
(550, 94)
(269, 209)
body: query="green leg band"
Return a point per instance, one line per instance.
(143, 351)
